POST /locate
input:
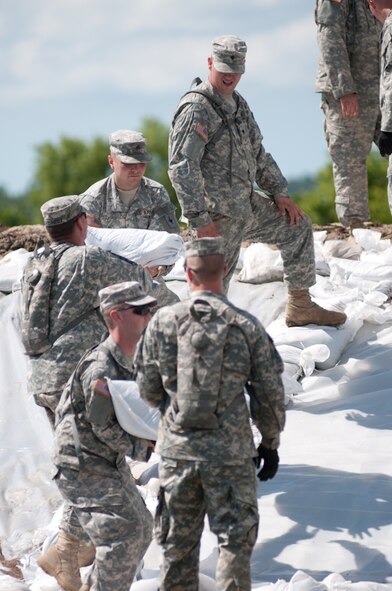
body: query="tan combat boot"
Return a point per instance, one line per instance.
(86, 554)
(300, 310)
(61, 562)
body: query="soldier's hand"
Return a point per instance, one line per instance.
(287, 206)
(270, 459)
(385, 143)
(155, 271)
(208, 231)
(350, 105)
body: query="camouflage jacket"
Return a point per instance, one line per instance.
(348, 38)
(214, 161)
(151, 208)
(82, 271)
(386, 75)
(248, 355)
(98, 444)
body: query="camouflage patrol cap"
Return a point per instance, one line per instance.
(127, 292)
(228, 54)
(129, 146)
(202, 247)
(60, 210)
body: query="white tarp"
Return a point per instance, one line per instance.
(325, 519)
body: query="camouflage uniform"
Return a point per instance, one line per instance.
(213, 165)
(209, 470)
(82, 271)
(385, 90)
(92, 473)
(151, 208)
(348, 39)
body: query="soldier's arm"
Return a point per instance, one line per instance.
(187, 143)
(266, 391)
(147, 365)
(91, 205)
(386, 80)
(331, 38)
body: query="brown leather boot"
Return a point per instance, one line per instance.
(61, 562)
(301, 310)
(86, 554)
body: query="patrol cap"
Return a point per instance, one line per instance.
(60, 210)
(126, 292)
(202, 247)
(129, 146)
(228, 54)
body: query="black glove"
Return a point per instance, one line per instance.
(270, 462)
(385, 143)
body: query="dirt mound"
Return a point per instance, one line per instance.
(21, 237)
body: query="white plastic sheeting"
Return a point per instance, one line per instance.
(325, 519)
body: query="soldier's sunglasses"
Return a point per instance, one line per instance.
(139, 310)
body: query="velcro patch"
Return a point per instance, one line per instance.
(201, 132)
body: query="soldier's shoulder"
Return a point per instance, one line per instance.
(95, 189)
(152, 184)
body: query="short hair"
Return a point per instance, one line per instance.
(61, 232)
(206, 268)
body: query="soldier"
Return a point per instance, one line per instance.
(66, 308)
(193, 363)
(381, 10)
(348, 80)
(216, 157)
(90, 448)
(127, 198)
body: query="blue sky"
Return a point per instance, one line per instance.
(85, 68)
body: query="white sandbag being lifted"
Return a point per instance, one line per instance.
(149, 248)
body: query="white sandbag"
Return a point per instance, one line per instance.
(336, 339)
(133, 414)
(11, 268)
(342, 249)
(261, 264)
(370, 239)
(177, 273)
(149, 248)
(205, 584)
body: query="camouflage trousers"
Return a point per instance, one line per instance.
(49, 402)
(227, 494)
(349, 141)
(295, 242)
(389, 176)
(116, 520)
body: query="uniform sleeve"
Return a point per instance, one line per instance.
(331, 37)
(100, 412)
(92, 205)
(164, 216)
(386, 77)
(266, 391)
(269, 177)
(187, 143)
(146, 364)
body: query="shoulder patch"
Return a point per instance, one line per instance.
(201, 132)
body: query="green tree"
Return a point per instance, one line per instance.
(14, 211)
(319, 202)
(66, 169)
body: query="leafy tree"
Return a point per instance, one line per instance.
(14, 211)
(66, 169)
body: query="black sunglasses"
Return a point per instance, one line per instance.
(139, 310)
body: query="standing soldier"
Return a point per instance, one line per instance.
(216, 158)
(348, 80)
(194, 362)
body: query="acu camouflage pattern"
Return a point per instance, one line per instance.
(150, 209)
(386, 90)
(217, 175)
(81, 272)
(210, 470)
(227, 494)
(92, 474)
(249, 354)
(214, 182)
(348, 39)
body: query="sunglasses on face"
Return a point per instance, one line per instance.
(139, 310)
